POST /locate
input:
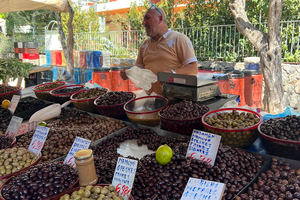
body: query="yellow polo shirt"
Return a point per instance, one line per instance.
(172, 51)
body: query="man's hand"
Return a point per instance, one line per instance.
(123, 74)
(156, 87)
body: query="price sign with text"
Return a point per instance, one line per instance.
(13, 126)
(78, 144)
(38, 139)
(204, 146)
(14, 103)
(203, 190)
(124, 176)
(27, 127)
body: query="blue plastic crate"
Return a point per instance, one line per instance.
(77, 75)
(89, 59)
(97, 59)
(88, 75)
(54, 72)
(48, 57)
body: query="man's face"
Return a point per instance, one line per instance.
(151, 22)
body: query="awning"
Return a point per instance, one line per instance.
(20, 5)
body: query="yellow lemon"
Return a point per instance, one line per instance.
(5, 104)
(163, 154)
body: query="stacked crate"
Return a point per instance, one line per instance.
(31, 53)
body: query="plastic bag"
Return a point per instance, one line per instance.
(142, 78)
(288, 111)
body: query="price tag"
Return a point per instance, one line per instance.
(203, 190)
(124, 176)
(13, 126)
(27, 127)
(38, 139)
(78, 144)
(204, 146)
(14, 103)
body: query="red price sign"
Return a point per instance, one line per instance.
(202, 158)
(125, 190)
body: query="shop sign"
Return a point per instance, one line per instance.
(13, 126)
(14, 103)
(124, 176)
(203, 190)
(204, 146)
(38, 140)
(78, 144)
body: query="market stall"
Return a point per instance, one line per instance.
(149, 147)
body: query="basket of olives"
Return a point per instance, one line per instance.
(281, 136)
(84, 99)
(43, 181)
(237, 126)
(92, 192)
(63, 93)
(112, 104)
(14, 160)
(7, 92)
(42, 91)
(183, 117)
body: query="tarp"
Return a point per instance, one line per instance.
(20, 5)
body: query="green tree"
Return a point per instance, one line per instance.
(84, 21)
(38, 19)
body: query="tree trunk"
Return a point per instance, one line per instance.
(269, 48)
(67, 47)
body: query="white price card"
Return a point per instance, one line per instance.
(203, 190)
(13, 126)
(26, 127)
(38, 139)
(78, 144)
(124, 176)
(14, 103)
(204, 146)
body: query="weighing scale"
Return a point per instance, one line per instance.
(202, 88)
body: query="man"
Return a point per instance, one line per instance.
(165, 50)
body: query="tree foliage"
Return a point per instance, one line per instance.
(38, 19)
(84, 21)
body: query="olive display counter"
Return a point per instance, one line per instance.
(246, 175)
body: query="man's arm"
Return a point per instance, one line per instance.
(188, 69)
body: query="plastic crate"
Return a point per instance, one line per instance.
(77, 75)
(38, 78)
(48, 57)
(88, 75)
(89, 59)
(97, 59)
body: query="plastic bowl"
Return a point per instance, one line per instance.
(84, 104)
(279, 147)
(63, 97)
(234, 137)
(78, 188)
(115, 111)
(45, 94)
(10, 94)
(144, 110)
(184, 127)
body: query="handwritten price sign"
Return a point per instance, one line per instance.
(78, 144)
(203, 190)
(124, 190)
(13, 126)
(14, 103)
(204, 146)
(124, 176)
(38, 139)
(27, 127)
